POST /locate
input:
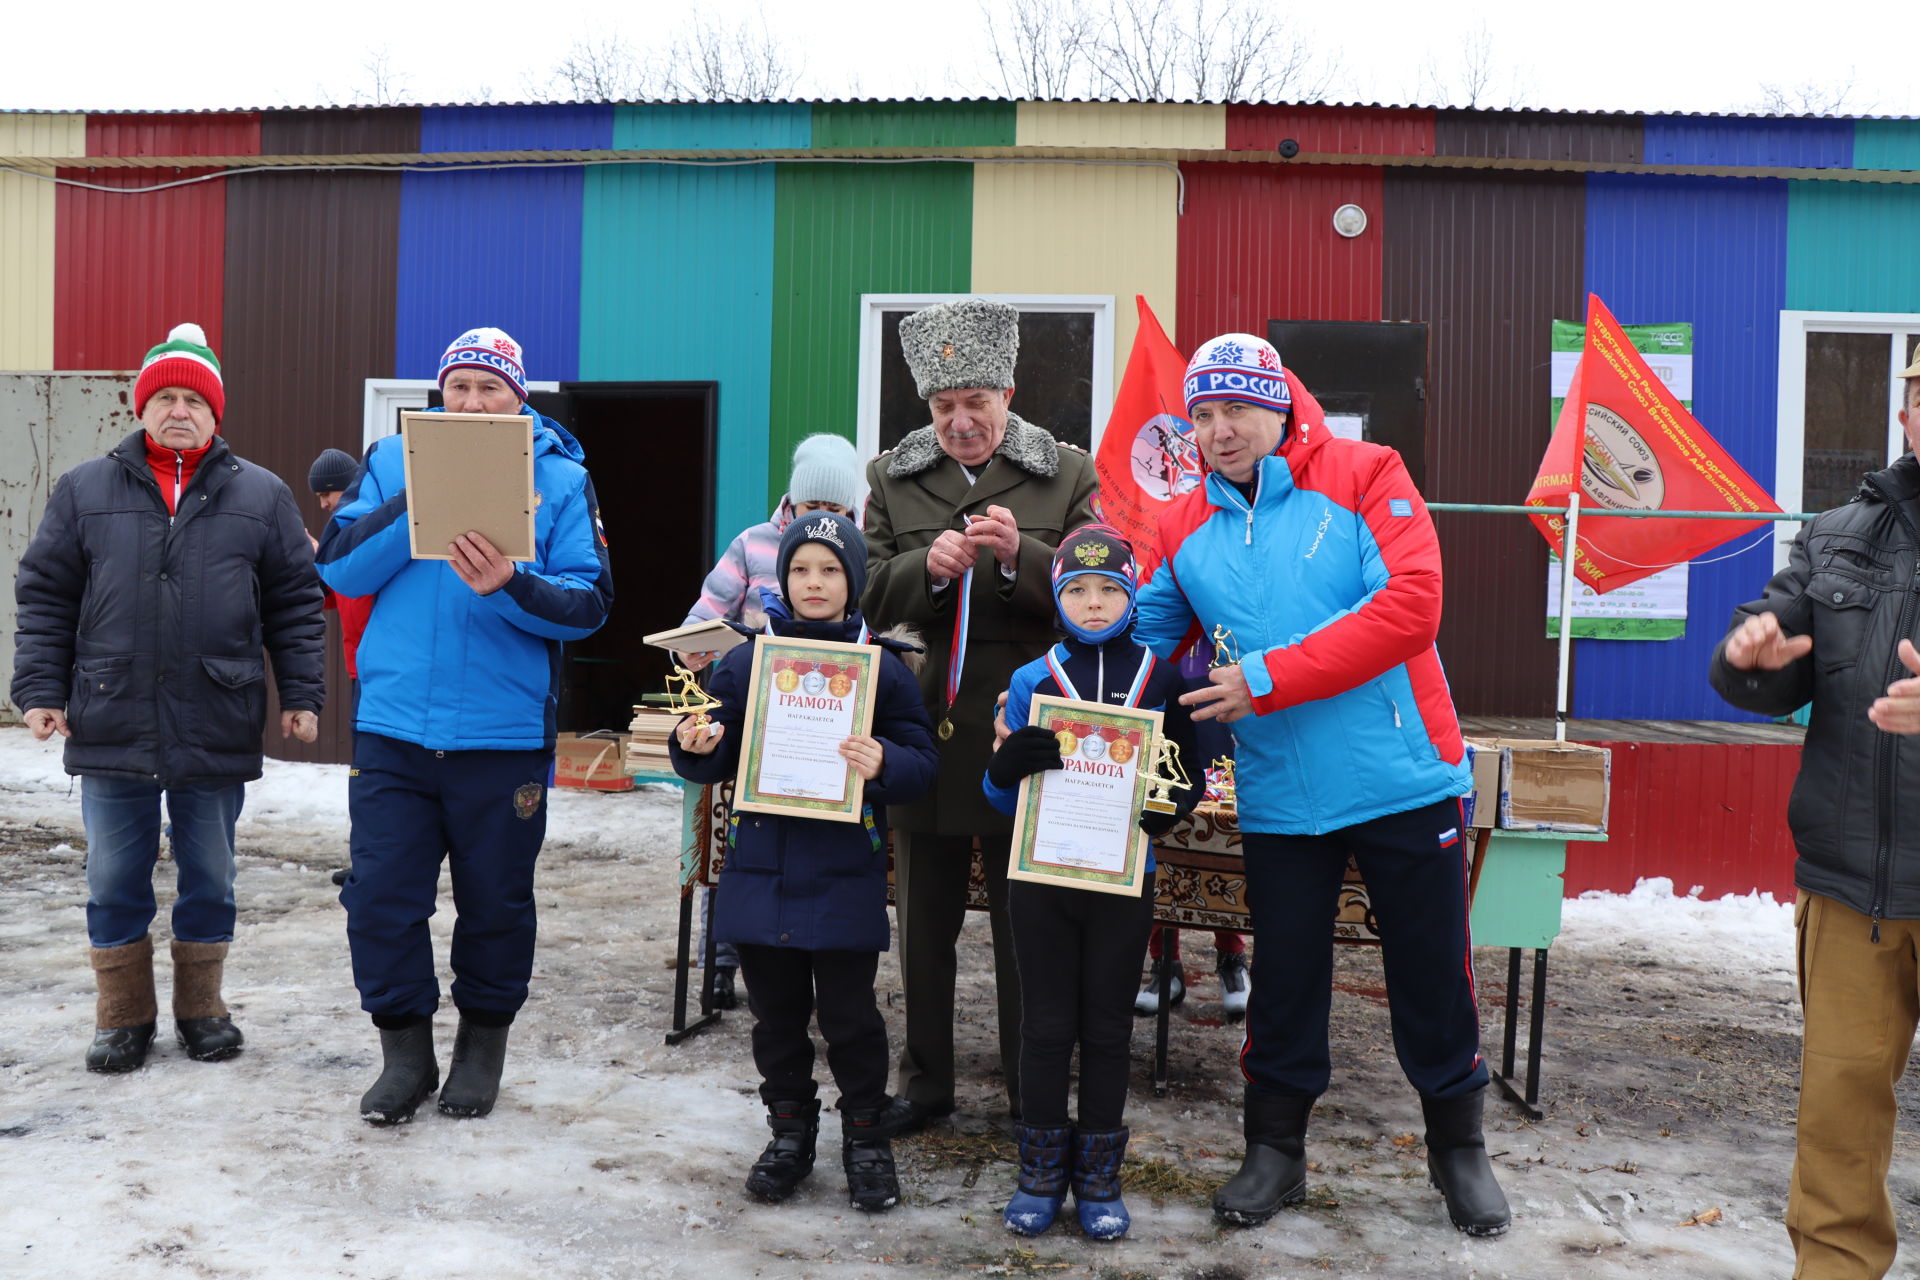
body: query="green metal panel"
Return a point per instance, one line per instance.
(913, 124)
(1886, 144)
(676, 285)
(712, 126)
(841, 230)
(1850, 246)
(1517, 903)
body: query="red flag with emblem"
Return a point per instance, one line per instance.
(1630, 444)
(1147, 456)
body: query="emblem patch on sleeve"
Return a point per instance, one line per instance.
(1399, 507)
(526, 801)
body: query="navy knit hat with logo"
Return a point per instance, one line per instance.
(1238, 366)
(840, 535)
(1100, 549)
(183, 360)
(489, 350)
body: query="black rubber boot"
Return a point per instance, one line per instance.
(867, 1153)
(725, 996)
(1274, 1173)
(408, 1074)
(1457, 1162)
(117, 1049)
(200, 1013)
(125, 1013)
(473, 1076)
(789, 1156)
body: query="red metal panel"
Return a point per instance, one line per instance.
(1357, 131)
(1712, 815)
(1257, 243)
(211, 134)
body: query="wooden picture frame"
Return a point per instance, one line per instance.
(469, 472)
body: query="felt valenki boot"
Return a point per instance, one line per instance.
(200, 1014)
(789, 1156)
(1275, 1170)
(1457, 1162)
(1096, 1183)
(1046, 1159)
(125, 1012)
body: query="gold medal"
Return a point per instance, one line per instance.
(945, 730)
(1068, 743)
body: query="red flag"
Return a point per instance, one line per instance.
(1632, 445)
(1147, 457)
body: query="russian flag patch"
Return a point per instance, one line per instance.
(1399, 507)
(1449, 837)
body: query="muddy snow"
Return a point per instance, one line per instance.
(1667, 1087)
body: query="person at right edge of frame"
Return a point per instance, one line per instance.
(1837, 628)
(453, 739)
(1316, 559)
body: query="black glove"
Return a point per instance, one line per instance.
(1157, 824)
(1028, 750)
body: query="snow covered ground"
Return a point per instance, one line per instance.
(1672, 1049)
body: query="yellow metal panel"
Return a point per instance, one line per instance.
(1079, 228)
(1180, 125)
(26, 237)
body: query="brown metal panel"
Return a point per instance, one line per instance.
(1487, 261)
(336, 131)
(1539, 135)
(312, 264)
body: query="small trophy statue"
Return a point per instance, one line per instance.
(685, 697)
(1223, 771)
(1225, 652)
(1163, 773)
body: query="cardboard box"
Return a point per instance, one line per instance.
(1482, 804)
(596, 761)
(1550, 786)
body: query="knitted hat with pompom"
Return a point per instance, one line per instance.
(183, 360)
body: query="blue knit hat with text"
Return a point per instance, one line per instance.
(840, 535)
(489, 350)
(1238, 366)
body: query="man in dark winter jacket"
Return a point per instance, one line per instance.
(156, 578)
(1837, 628)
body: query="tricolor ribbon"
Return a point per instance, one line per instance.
(1057, 664)
(957, 653)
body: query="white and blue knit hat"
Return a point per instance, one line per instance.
(1238, 366)
(825, 469)
(489, 350)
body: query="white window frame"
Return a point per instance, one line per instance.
(1098, 305)
(385, 396)
(1790, 436)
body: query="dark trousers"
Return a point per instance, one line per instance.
(1079, 955)
(483, 811)
(785, 987)
(1416, 877)
(930, 889)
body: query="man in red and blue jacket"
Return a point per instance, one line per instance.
(1312, 561)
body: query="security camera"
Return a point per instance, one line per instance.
(1288, 148)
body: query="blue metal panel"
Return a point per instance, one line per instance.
(1711, 251)
(1728, 140)
(678, 286)
(575, 127)
(714, 126)
(490, 247)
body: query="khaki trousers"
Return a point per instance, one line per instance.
(930, 874)
(1862, 1000)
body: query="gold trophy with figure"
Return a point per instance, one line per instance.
(685, 697)
(1224, 766)
(1163, 774)
(1225, 652)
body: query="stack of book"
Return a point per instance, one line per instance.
(647, 749)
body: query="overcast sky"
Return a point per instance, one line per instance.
(1681, 56)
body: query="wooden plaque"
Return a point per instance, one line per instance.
(469, 472)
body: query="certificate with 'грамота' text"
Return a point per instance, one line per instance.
(805, 698)
(1079, 826)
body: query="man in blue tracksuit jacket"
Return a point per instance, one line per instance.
(459, 679)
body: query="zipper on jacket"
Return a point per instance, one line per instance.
(1395, 703)
(1886, 777)
(179, 469)
(1100, 692)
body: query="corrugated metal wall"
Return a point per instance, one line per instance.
(1712, 252)
(841, 230)
(714, 126)
(1544, 135)
(678, 285)
(1032, 233)
(27, 240)
(495, 247)
(1762, 140)
(1487, 261)
(913, 124)
(1886, 144)
(130, 267)
(1182, 126)
(1357, 131)
(1851, 247)
(1257, 243)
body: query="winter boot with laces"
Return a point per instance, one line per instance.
(473, 1076)
(408, 1075)
(200, 1015)
(789, 1156)
(1147, 1003)
(1096, 1183)
(125, 1012)
(867, 1153)
(1045, 1161)
(1235, 987)
(1457, 1162)
(1275, 1170)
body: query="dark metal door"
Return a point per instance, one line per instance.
(1367, 374)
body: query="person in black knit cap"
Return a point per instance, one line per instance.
(1078, 950)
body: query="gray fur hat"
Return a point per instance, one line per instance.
(969, 342)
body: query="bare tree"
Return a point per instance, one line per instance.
(1477, 78)
(1041, 47)
(1245, 51)
(737, 62)
(600, 67)
(384, 86)
(1811, 98)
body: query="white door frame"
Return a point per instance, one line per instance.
(386, 395)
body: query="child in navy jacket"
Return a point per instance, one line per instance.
(1078, 950)
(805, 899)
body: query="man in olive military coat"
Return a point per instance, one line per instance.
(962, 523)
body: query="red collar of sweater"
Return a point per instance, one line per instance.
(173, 469)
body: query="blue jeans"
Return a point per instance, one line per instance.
(122, 818)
